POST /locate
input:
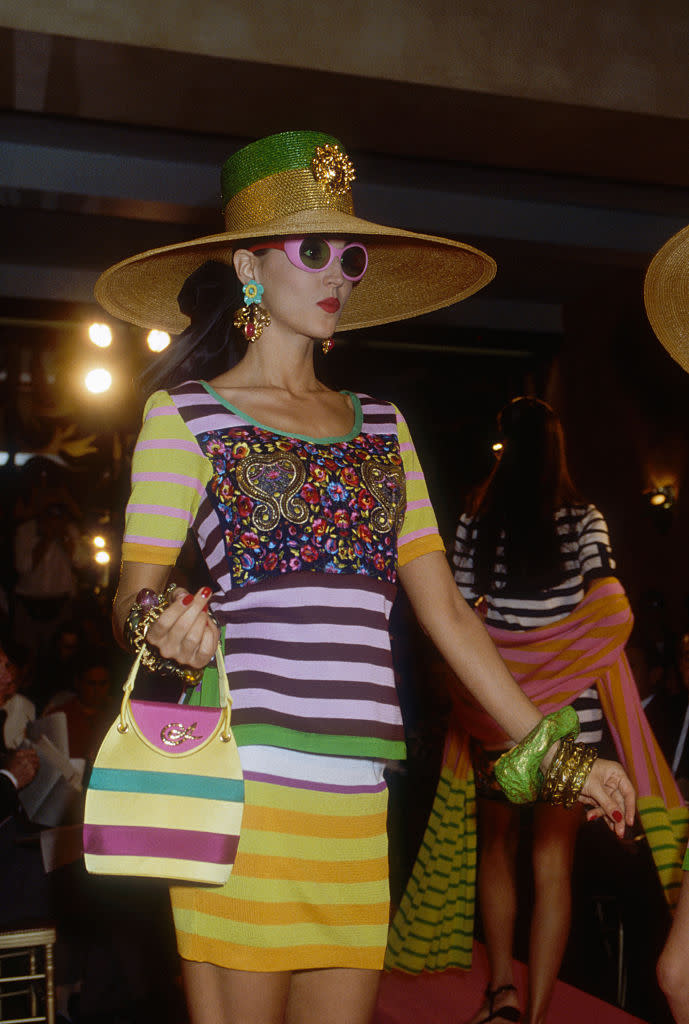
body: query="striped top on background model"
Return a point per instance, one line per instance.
(303, 538)
(587, 555)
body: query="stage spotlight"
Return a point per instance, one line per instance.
(100, 335)
(102, 557)
(497, 447)
(158, 340)
(98, 381)
(99, 542)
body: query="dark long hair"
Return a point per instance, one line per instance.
(529, 482)
(209, 345)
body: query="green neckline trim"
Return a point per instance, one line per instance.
(356, 429)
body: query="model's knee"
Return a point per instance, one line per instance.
(671, 971)
(552, 868)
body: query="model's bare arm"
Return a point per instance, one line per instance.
(465, 644)
(460, 637)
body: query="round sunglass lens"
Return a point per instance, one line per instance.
(354, 261)
(314, 253)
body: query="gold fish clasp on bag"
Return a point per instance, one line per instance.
(175, 733)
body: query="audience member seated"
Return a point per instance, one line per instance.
(17, 769)
(89, 711)
(24, 889)
(668, 715)
(16, 710)
(57, 667)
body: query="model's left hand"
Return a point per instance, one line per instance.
(610, 794)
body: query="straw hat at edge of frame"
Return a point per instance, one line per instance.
(666, 294)
(288, 185)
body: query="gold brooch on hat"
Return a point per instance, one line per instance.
(333, 169)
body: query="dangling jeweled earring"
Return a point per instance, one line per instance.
(251, 318)
(327, 345)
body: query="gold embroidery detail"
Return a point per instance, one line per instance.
(175, 733)
(386, 483)
(274, 480)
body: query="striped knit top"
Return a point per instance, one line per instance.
(587, 555)
(303, 538)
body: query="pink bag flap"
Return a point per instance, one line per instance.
(174, 728)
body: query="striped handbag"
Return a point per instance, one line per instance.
(166, 793)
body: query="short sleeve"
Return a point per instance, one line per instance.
(595, 552)
(463, 543)
(419, 534)
(169, 476)
(463, 556)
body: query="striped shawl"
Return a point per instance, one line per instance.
(433, 927)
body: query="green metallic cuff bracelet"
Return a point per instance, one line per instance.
(518, 771)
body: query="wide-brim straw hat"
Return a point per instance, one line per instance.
(666, 294)
(288, 185)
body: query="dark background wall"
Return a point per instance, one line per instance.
(552, 136)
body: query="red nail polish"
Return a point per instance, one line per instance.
(617, 815)
(188, 599)
(206, 592)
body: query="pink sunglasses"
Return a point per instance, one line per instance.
(314, 253)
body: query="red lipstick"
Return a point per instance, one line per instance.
(330, 305)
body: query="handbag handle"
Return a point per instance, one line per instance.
(223, 690)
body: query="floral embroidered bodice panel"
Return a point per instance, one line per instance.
(291, 505)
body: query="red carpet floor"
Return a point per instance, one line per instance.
(451, 997)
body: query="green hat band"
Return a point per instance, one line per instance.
(288, 151)
(285, 174)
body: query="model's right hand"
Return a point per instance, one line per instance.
(185, 631)
(611, 794)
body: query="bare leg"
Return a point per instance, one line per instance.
(673, 965)
(554, 837)
(216, 995)
(336, 995)
(498, 825)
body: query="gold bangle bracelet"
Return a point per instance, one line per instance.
(568, 773)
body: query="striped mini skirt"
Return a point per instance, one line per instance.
(309, 887)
